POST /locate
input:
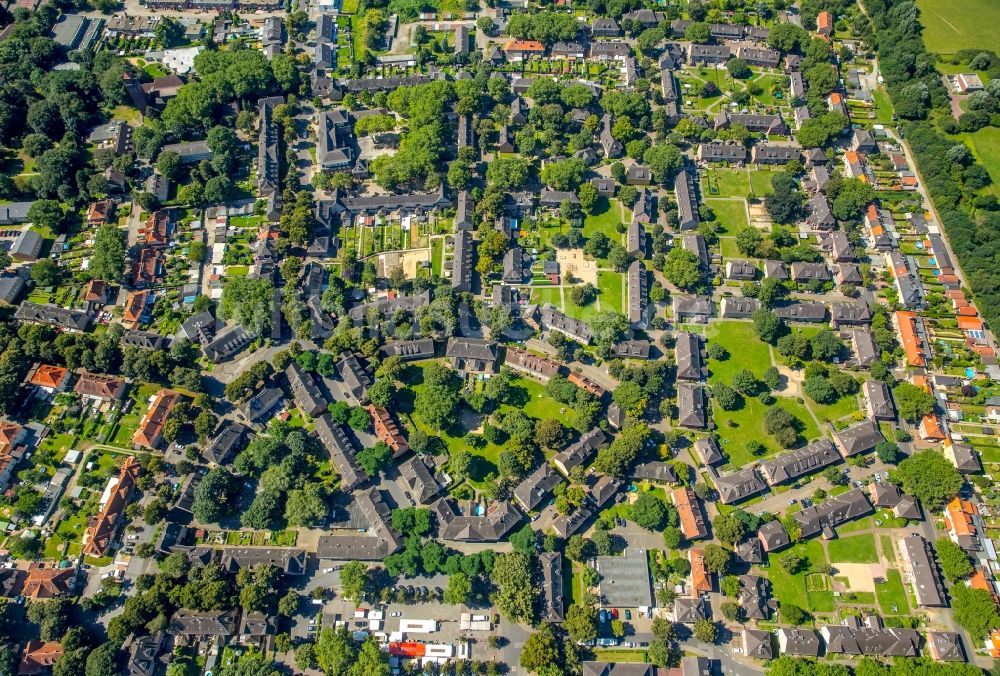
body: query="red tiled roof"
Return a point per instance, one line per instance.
(49, 376)
(102, 528)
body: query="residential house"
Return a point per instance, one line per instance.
(149, 434)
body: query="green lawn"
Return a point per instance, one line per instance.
(542, 295)
(731, 214)
(841, 408)
(605, 218)
(737, 428)
(855, 526)
(792, 588)
(892, 594)
(729, 249)
(610, 284)
(883, 106)
(958, 24)
(887, 551)
(760, 182)
(729, 182)
(853, 549)
(745, 349)
(584, 312)
(615, 655)
(985, 145)
(437, 251)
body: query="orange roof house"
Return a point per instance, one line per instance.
(387, 430)
(96, 291)
(930, 428)
(970, 323)
(102, 528)
(99, 213)
(691, 515)
(525, 47)
(10, 435)
(99, 386)
(157, 229)
(49, 378)
(39, 657)
(993, 643)
(150, 431)
(979, 581)
(47, 583)
(966, 310)
(906, 324)
(824, 24)
(135, 307)
(701, 582)
(958, 517)
(585, 383)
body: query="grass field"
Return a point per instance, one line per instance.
(732, 214)
(887, 551)
(605, 218)
(792, 588)
(543, 295)
(737, 428)
(841, 408)
(728, 246)
(892, 594)
(610, 284)
(985, 145)
(958, 24)
(854, 549)
(760, 182)
(730, 183)
(745, 349)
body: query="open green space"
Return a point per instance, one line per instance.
(892, 595)
(760, 181)
(616, 655)
(606, 217)
(729, 249)
(737, 428)
(841, 408)
(791, 589)
(958, 24)
(853, 549)
(745, 350)
(985, 145)
(727, 183)
(883, 106)
(610, 284)
(730, 213)
(855, 526)
(547, 294)
(887, 551)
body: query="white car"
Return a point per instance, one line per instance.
(395, 613)
(327, 570)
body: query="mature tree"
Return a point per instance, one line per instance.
(974, 609)
(46, 214)
(716, 559)
(682, 268)
(955, 563)
(216, 496)
(248, 301)
(792, 614)
(306, 506)
(540, 650)
(648, 511)
(514, 598)
(353, 581)
(726, 397)
(459, 589)
(581, 622)
(728, 527)
(437, 400)
(912, 402)
(768, 325)
(706, 630)
(107, 260)
(792, 563)
(335, 650)
(928, 476)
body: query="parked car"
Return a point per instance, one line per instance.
(395, 613)
(628, 614)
